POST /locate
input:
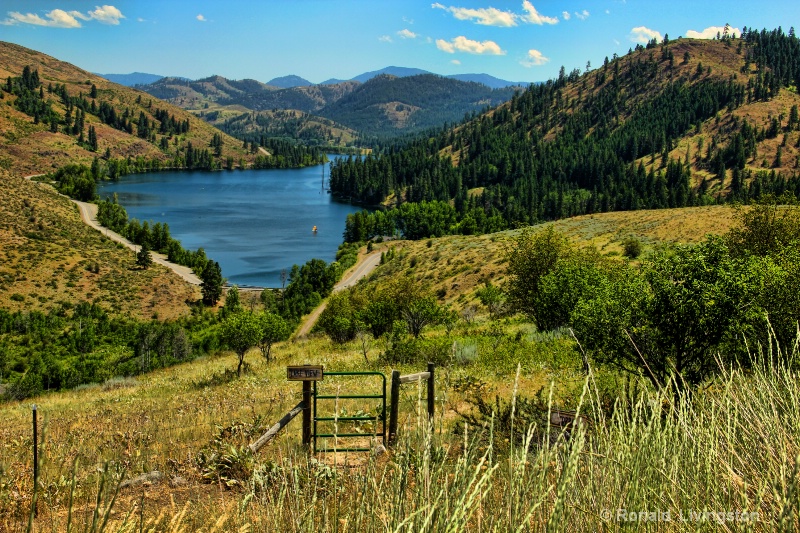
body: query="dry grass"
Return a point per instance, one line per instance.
(48, 255)
(731, 447)
(454, 267)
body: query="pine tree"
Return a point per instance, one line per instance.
(92, 139)
(143, 258)
(211, 283)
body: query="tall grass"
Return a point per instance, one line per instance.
(668, 461)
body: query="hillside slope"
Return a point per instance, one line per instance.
(686, 122)
(30, 146)
(454, 267)
(48, 256)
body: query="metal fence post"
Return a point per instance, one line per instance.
(431, 390)
(35, 461)
(394, 406)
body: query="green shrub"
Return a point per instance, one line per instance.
(419, 351)
(632, 248)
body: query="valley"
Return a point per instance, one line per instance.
(617, 245)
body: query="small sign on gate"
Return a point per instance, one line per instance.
(305, 373)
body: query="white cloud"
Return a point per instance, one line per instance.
(407, 34)
(201, 18)
(455, 62)
(565, 15)
(535, 58)
(58, 18)
(408, 20)
(462, 44)
(583, 15)
(534, 17)
(643, 35)
(107, 15)
(608, 12)
(490, 16)
(140, 19)
(485, 16)
(711, 32)
(385, 39)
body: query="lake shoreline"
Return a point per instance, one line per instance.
(255, 224)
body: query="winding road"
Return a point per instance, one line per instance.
(89, 216)
(360, 270)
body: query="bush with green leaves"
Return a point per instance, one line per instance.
(673, 315)
(273, 328)
(411, 350)
(531, 256)
(632, 248)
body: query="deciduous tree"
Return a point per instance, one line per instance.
(241, 332)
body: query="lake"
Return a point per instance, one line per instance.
(254, 223)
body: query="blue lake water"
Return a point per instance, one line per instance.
(254, 223)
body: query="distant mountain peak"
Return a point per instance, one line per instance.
(287, 82)
(400, 72)
(134, 78)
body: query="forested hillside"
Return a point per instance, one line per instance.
(671, 124)
(54, 113)
(297, 126)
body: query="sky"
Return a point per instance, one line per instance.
(522, 41)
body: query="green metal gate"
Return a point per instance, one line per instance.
(380, 418)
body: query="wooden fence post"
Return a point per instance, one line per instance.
(431, 390)
(306, 413)
(394, 406)
(270, 434)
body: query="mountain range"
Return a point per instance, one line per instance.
(383, 105)
(287, 82)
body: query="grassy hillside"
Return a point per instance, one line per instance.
(454, 267)
(49, 256)
(30, 148)
(191, 423)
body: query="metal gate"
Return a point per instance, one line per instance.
(379, 419)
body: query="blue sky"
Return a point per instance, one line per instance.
(322, 39)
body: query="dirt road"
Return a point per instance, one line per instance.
(360, 270)
(89, 216)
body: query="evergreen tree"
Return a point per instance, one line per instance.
(92, 139)
(211, 283)
(143, 258)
